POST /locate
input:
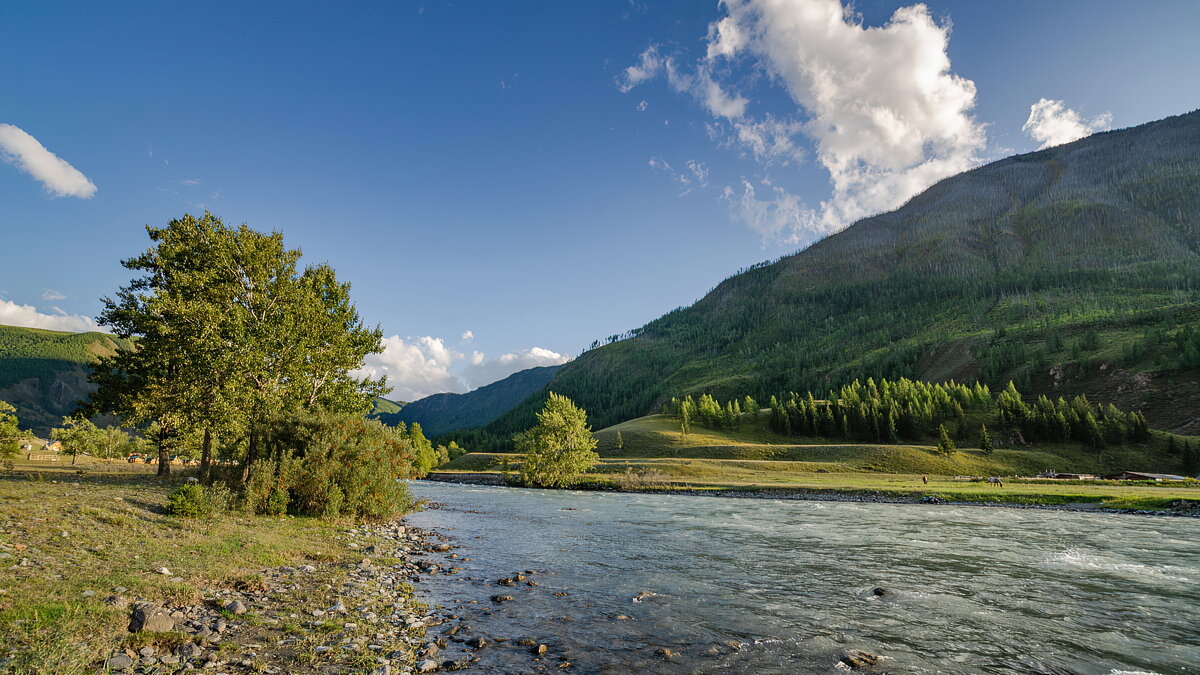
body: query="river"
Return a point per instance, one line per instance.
(780, 586)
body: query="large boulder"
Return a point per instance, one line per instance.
(148, 616)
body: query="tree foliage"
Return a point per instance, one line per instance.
(560, 447)
(231, 334)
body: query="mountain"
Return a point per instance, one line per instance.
(442, 413)
(43, 373)
(1074, 269)
(383, 406)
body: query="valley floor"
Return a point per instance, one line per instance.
(716, 477)
(651, 453)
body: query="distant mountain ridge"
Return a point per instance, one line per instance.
(1074, 269)
(43, 373)
(442, 413)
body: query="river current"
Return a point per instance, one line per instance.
(783, 586)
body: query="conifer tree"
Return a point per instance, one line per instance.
(945, 444)
(985, 440)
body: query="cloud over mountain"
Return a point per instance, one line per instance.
(1053, 123)
(13, 314)
(418, 367)
(885, 113)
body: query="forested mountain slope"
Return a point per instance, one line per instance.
(44, 373)
(1070, 270)
(442, 413)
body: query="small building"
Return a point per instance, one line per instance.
(52, 446)
(1138, 475)
(1066, 476)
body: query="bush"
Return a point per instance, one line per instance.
(196, 501)
(332, 465)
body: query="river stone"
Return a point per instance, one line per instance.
(501, 598)
(540, 649)
(856, 658)
(118, 661)
(189, 650)
(235, 607)
(477, 643)
(427, 666)
(149, 617)
(148, 650)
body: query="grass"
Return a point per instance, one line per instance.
(67, 530)
(656, 455)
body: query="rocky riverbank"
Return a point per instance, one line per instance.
(349, 617)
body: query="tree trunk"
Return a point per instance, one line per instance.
(206, 457)
(164, 449)
(251, 456)
(74, 457)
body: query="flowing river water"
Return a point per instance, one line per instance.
(782, 586)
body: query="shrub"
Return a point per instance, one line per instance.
(195, 501)
(332, 465)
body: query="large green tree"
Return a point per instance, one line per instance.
(560, 447)
(230, 335)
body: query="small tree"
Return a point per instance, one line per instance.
(945, 444)
(79, 435)
(560, 447)
(985, 440)
(620, 442)
(10, 435)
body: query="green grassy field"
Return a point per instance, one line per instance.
(654, 454)
(70, 534)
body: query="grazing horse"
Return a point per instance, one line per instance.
(996, 481)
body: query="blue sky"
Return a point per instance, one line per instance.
(505, 182)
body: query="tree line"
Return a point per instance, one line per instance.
(892, 411)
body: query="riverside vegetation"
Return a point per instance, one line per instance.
(888, 441)
(230, 353)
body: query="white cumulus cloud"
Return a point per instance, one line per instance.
(883, 110)
(414, 369)
(25, 152)
(418, 367)
(468, 336)
(1053, 123)
(12, 314)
